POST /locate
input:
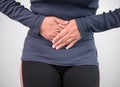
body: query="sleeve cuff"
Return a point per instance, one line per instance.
(38, 23)
(81, 27)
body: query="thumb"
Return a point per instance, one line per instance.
(61, 21)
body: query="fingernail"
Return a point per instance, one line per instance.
(67, 48)
(57, 48)
(53, 41)
(53, 46)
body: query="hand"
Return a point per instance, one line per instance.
(68, 36)
(50, 27)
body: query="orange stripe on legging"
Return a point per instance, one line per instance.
(21, 79)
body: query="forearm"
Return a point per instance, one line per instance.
(99, 23)
(18, 12)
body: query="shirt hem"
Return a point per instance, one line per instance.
(60, 64)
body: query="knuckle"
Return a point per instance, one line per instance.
(68, 41)
(72, 38)
(47, 36)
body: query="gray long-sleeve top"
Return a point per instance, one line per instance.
(37, 48)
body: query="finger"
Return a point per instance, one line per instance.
(60, 21)
(54, 35)
(64, 44)
(71, 44)
(61, 41)
(59, 36)
(58, 28)
(62, 26)
(60, 46)
(51, 38)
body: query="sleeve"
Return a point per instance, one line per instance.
(18, 12)
(99, 23)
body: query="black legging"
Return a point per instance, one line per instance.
(38, 74)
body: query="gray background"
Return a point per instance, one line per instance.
(12, 35)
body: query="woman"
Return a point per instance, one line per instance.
(59, 50)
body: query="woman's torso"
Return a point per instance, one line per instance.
(37, 48)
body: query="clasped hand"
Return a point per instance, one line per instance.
(60, 32)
